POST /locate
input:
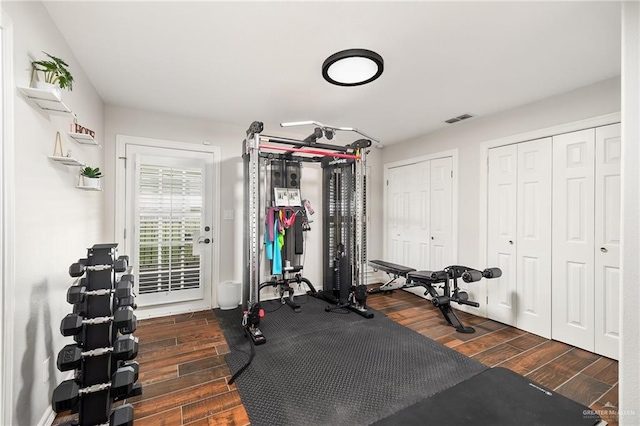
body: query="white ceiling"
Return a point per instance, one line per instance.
(236, 62)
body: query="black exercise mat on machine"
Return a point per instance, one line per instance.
(497, 397)
(320, 368)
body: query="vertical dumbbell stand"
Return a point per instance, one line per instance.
(95, 408)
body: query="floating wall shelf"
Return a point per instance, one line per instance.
(84, 139)
(46, 99)
(89, 188)
(67, 161)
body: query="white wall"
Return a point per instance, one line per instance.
(598, 99)
(629, 373)
(54, 221)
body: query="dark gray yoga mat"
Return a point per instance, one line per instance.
(320, 368)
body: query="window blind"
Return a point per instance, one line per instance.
(170, 207)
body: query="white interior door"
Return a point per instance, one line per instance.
(573, 239)
(408, 229)
(441, 239)
(607, 240)
(169, 225)
(420, 203)
(533, 240)
(398, 211)
(502, 228)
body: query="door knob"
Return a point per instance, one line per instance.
(511, 242)
(603, 249)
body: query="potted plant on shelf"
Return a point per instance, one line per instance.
(91, 177)
(56, 75)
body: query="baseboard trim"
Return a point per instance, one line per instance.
(48, 417)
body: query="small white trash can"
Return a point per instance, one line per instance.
(228, 295)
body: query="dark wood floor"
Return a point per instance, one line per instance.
(184, 374)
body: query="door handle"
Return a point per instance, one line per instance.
(603, 249)
(203, 241)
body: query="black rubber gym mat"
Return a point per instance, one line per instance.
(497, 397)
(320, 368)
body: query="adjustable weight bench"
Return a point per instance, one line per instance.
(447, 278)
(394, 271)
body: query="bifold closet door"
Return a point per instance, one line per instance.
(408, 209)
(519, 235)
(573, 239)
(441, 238)
(501, 232)
(533, 238)
(607, 240)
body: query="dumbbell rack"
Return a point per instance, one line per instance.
(100, 270)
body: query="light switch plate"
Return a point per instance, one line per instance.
(228, 215)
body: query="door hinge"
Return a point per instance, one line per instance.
(452, 173)
(125, 161)
(124, 233)
(387, 182)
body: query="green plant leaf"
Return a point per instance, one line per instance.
(55, 71)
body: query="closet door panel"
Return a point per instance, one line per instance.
(573, 239)
(423, 212)
(533, 240)
(502, 229)
(441, 247)
(396, 210)
(409, 224)
(607, 240)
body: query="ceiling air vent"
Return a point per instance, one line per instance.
(458, 118)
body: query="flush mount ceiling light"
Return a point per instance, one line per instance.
(352, 67)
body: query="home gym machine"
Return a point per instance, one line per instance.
(344, 224)
(447, 279)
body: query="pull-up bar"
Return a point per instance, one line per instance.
(311, 151)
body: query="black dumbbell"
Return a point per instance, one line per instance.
(125, 258)
(128, 277)
(121, 416)
(127, 301)
(134, 365)
(68, 393)
(80, 308)
(121, 264)
(123, 319)
(77, 293)
(124, 348)
(78, 268)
